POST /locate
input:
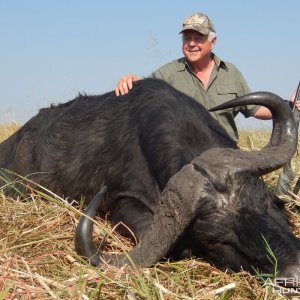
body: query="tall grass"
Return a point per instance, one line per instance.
(38, 260)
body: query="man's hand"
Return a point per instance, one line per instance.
(292, 99)
(125, 84)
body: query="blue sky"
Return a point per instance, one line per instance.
(53, 50)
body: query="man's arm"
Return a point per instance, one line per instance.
(263, 113)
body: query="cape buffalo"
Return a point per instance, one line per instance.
(172, 173)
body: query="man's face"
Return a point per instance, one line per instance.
(196, 46)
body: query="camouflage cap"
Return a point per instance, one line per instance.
(198, 22)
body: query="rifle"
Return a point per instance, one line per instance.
(297, 117)
(296, 97)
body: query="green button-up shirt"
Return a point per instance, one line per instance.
(226, 83)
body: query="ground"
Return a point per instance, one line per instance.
(38, 260)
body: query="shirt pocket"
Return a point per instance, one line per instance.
(227, 92)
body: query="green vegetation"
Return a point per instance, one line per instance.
(38, 260)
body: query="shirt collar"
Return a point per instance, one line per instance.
(183, 64)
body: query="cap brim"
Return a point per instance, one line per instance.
(199, 29)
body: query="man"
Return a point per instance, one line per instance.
(204, 76)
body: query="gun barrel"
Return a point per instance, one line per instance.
(297, 94)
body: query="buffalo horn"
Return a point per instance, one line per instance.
(281, 146)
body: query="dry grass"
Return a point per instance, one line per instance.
(38, 260)
(7, 130)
